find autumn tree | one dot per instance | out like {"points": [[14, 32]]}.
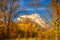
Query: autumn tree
{"points": [[8, 11], [56, 17]]}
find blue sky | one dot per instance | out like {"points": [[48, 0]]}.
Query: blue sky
{"points": [[41, 10]]}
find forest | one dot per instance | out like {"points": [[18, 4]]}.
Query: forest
{"points": [[27, 29]]}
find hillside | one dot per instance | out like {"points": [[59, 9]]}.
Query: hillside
{"points": [[35, 18]]}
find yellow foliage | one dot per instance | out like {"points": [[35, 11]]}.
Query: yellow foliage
{"points": [[24, 26]]}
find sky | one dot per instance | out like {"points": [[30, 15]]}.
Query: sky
{"points": [[42, 10]]}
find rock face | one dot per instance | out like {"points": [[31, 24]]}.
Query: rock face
{"points": [[36, 18]]}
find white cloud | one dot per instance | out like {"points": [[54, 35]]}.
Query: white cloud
{"points": [[41, 8], [30, 9]]}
